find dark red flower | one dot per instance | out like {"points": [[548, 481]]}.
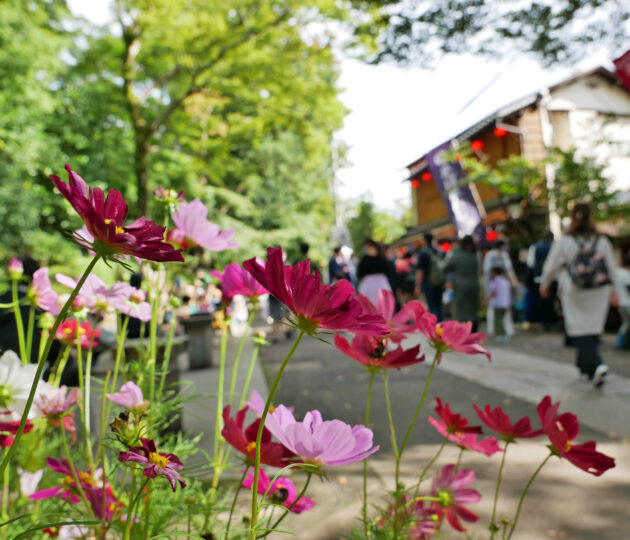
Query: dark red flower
{"points": [[454, 423], [315, 305], [500, 422], [271, 453], [562, 430], [9, 429], [372, 352], [104, 217], [156, 462]]}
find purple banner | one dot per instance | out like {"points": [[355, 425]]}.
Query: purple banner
{"points": [[458, 197]]}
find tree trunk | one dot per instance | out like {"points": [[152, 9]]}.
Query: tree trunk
{"points": [[141, 169]]}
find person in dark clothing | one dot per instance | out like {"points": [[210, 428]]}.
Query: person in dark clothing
{"points": [[336, 268], [134, 325], [430, 277], [373, 270], [539, 309]]}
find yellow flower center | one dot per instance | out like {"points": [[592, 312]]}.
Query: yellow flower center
{"points": [[439, 330], [68, 481], [271, 409], [568, 448], [251, 447], [157, 459], [85, 478], [107, 221], [119, 230]]}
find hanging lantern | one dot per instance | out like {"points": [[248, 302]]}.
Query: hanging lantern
{"points": [[446, 247], [476, 145], [426, 176], [491, 235], [415, 183], [500, 132]]}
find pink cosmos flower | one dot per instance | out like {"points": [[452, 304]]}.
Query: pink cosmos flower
{"points": [[15, 269], [372, 352], [469, 441], [454, 423], [136, 305], [562, 430], [423, 518], [281, 491], [193, 229], [130, 397], [104, 217], [57, 402], [244, 440], [330, 442], [98, 297], [235, 280], [42, 294], [67, 489], [156, 463], [449, 335], [71, 332], [451, 488], [315, 305], [400, 323], [500, 422]]}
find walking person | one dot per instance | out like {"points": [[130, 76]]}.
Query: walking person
{"points": [[373, 270], [498, 257], [585, 265], [539, 309], [463, 264], [500, 298], [430, 279]]}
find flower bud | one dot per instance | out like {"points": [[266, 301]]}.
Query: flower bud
{"points": [[129, 427], [138, 296], [46, 321], [15, 269], [79, 303]]}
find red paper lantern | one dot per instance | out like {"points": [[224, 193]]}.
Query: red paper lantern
{"points": [[426, 176], [500, 132], [446, 247], [491, 236], [476, 145], [415, 183]]}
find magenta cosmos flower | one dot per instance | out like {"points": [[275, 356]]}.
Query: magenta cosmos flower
{"points": [[192, 229], [315, 305], [42, 294], [449, 335], [244, 440], [280, 491], [235, 280], [562, 430], [104, 217], [330, 442], [372, 352], [130, 397], [400, 323], [451, 489], [9, 429], [500, 422], [156, 462], [67, 489]]}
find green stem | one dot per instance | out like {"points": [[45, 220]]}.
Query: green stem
{"points": [[236, 492], [286, 512], [397, 455], [29, 333], [219, 413], [18, 321], [102, 445], [167, 355], [237, 358], [120, 352], [274, 387], [132, 504], [459, 458], [493, 527], [61, 365], [5, 499], [153, 323], [368, 404], [88, 387], [250, 373], [430, 464], [42, 363], [73, 471], [524, 494]]}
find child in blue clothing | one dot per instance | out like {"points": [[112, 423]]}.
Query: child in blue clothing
{"points": [[500, 298]]}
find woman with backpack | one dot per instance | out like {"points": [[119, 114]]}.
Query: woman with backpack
{"points": [[585, 265]]}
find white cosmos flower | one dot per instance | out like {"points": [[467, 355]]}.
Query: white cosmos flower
{"points": [[29, 480], [15, 384]]}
